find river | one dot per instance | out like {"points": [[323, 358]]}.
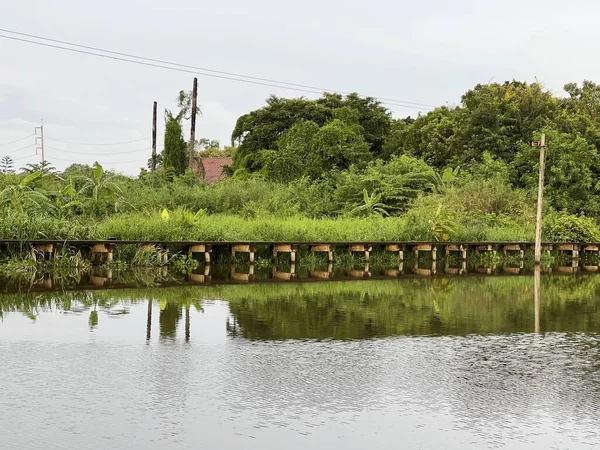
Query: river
{"points": [[431, 363]]}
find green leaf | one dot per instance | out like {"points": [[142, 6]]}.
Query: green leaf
{"points": [[98, 172], [30, 178], [73, 203], [165, 214]]}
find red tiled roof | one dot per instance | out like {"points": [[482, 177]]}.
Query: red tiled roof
{"points": [[213, 168]]}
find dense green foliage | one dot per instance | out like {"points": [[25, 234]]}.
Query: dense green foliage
{"points": [[339, 168], [175, 153]]}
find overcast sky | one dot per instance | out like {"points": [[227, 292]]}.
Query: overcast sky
{"points": [[428, 52]]}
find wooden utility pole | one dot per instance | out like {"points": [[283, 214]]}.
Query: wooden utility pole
{"points": [[193, 130], [538, 221], [154, 137]]}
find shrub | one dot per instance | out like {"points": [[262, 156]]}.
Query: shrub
{"points": [[570, 228]]}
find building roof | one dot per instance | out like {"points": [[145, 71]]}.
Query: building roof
{"points": [[213, 168]]}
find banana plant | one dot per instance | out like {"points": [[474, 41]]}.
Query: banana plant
{"points": [[371, 206], [64, 201], [441, 183], [22, 197], [441, 225], [99, 184]]}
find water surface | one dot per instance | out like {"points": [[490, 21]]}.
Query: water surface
{"points": [[410, 363]]}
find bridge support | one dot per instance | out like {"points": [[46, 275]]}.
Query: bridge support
{"points": [[365, 273], [361, 248], [514, 248], [324, 248], [322, 275], [201, 248], [285, 248], [457, 248], [102, 252], [397, 248], [242, 277], [46, 251], [285, 276], [425, 248], [244, 248], [455, 270], [200, 278]]}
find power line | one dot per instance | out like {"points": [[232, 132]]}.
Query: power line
{"points": [[103, 162], [220, 72], [16, 140], [23, 157], [183, 68], [96, 144], [99, 154], [12, 152], [150, 64]]}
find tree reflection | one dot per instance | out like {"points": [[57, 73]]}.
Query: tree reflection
{"points": [[168, 320], [353, 310]]}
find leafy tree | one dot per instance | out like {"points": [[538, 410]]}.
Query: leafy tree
{"points": [[501, 116], [307, 150], [338, 145], [204, 144], [45, 168], [261, 129], [175, 153], [580, 111], [295, 157], [571, 183], [430, 137], [399, 181], [184, 103], [7, 165], [373, 118], [493, 118], [159, 162], [22, 197]]}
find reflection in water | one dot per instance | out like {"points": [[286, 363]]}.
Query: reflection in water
{"points": [[101, 278], [459, 306], [537, 282], [168, 319], [149, 321], [429, 362]]}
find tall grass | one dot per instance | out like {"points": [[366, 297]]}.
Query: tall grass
{"points": [[234, 228]]}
